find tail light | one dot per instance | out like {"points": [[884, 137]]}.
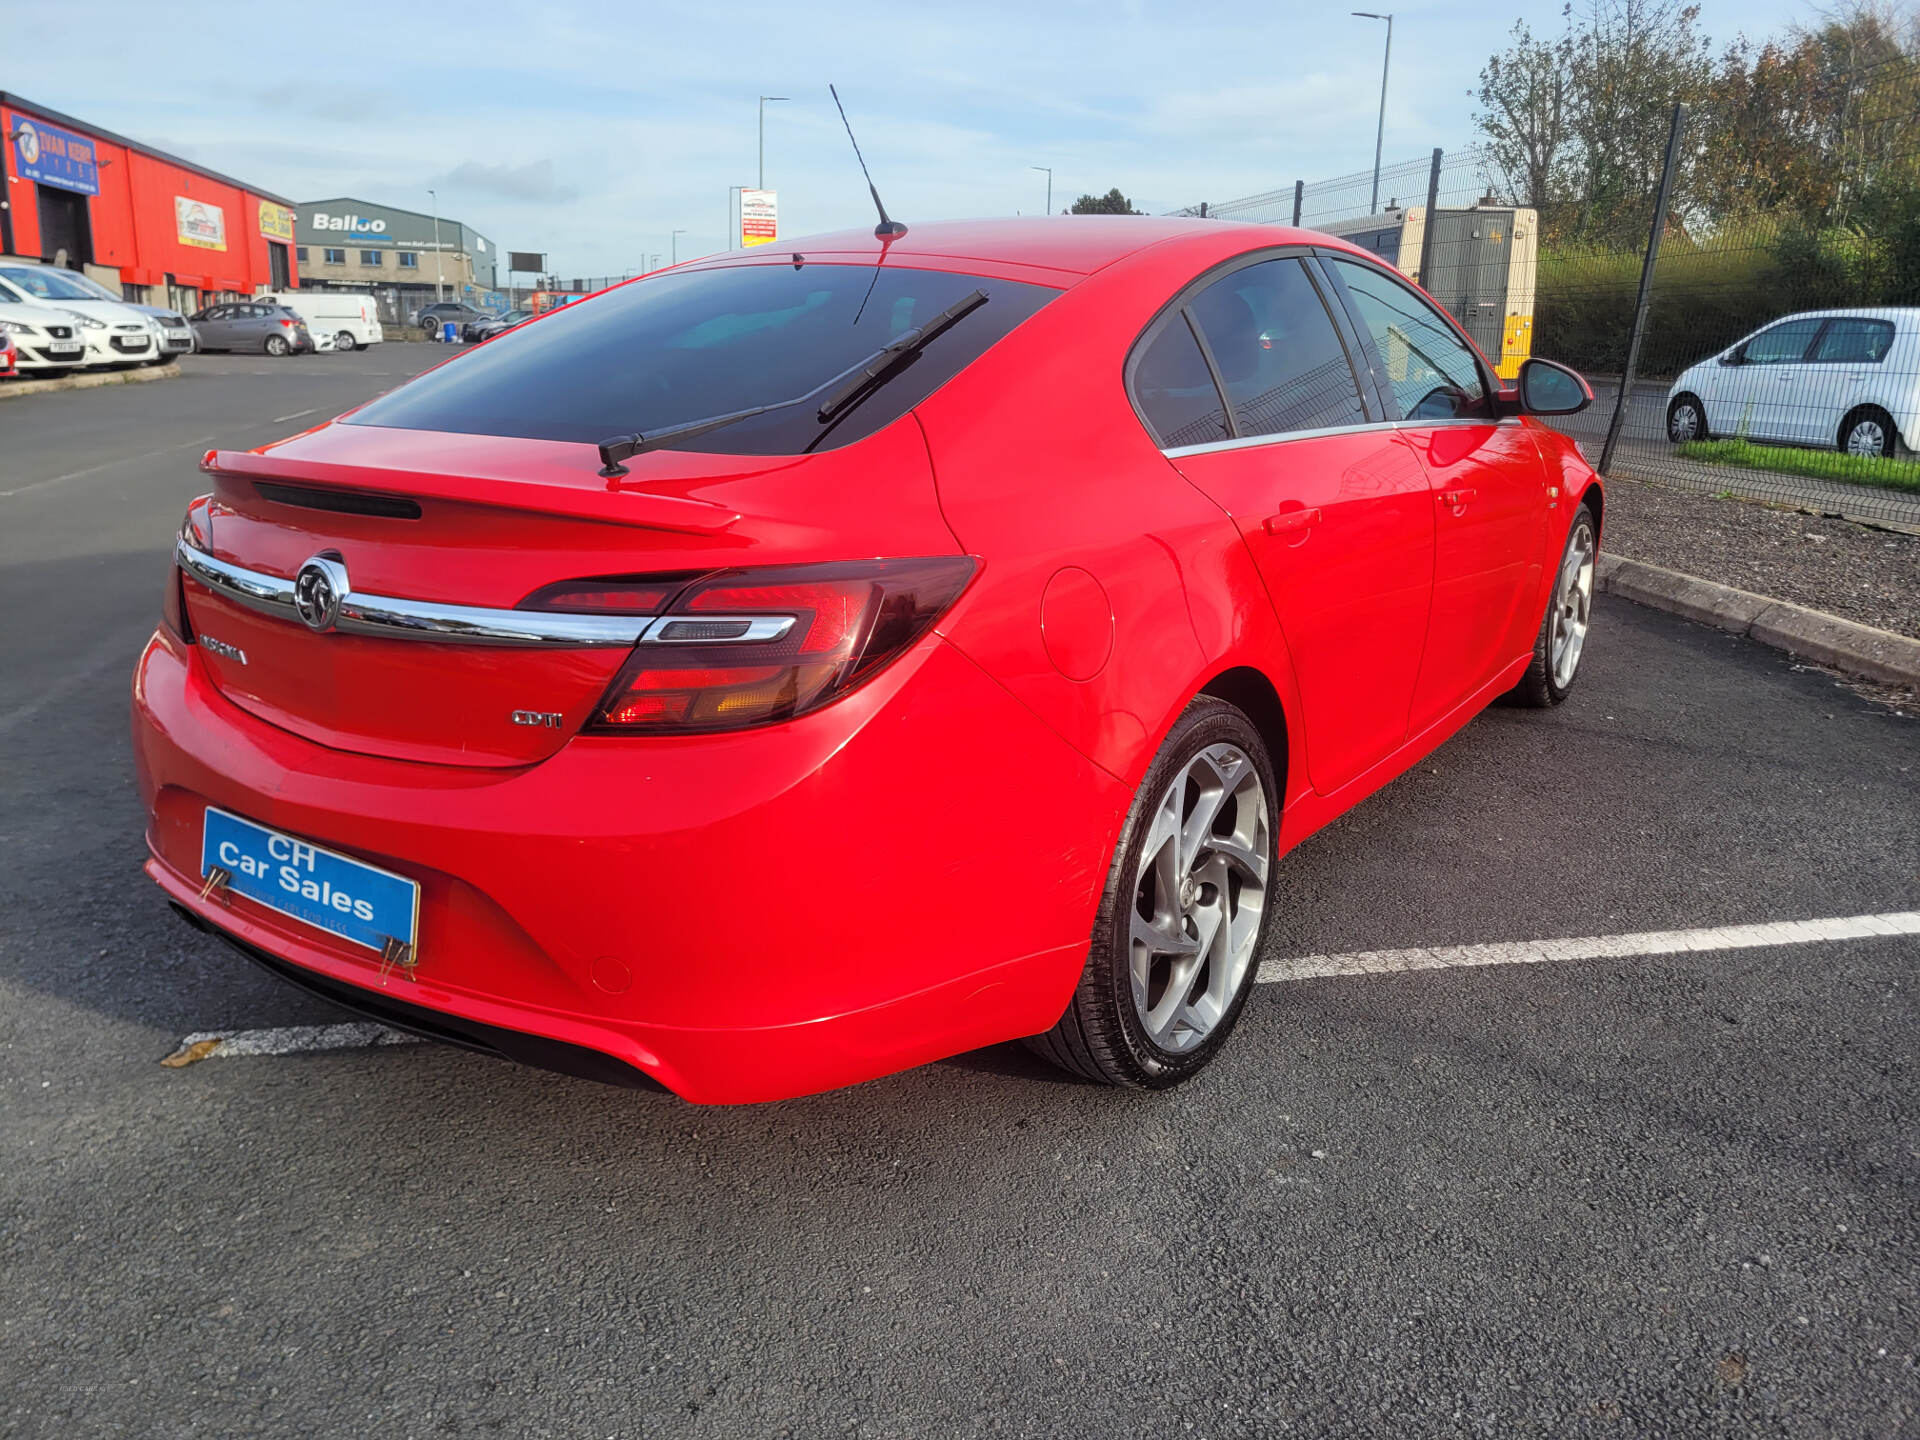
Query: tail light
{"points": [[739, 648], [173, 602], [286, 324]]}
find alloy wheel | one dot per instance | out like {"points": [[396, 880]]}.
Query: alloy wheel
{"points": [[1200, 885], [276, 345], [344, 341], [1572, 604], [1684, 424]]}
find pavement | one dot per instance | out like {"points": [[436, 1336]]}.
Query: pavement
{"points": [[1597, 1188], [27, 383]]}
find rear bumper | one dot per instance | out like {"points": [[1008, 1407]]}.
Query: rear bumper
{"points": [[903, 875]]}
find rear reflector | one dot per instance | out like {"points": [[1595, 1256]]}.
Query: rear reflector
{"points": [[615, 595], [751, 647]]}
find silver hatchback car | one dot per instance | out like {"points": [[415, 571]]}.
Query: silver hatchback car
{"points": [[249, 325]]}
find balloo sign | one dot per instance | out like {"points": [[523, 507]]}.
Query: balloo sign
{"points": [[758, 218], [351, 224]]}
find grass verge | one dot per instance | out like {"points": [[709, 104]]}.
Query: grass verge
{"points": [[1822, 464]]}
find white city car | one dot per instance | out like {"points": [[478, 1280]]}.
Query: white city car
{"points": [[113, 332], [1839, 379]]}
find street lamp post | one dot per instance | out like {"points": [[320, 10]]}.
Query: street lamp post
{"points": [[763, 134], [1049, 172], [733, 230], [674, 243], [1380, 131], [437, 295]]}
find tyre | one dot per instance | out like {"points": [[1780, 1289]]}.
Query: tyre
{"points": [[1176, 940], [1687, 420], [1563, 629], [344, 341], [1869, 431], [277, 345]]}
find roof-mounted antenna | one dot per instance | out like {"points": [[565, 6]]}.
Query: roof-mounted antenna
{"points": [[888, 228]]}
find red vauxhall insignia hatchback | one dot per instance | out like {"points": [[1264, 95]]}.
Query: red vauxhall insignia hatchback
{"points": [[804, 664]]}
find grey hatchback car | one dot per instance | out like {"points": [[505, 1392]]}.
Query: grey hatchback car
{"points": [[249, 325]]}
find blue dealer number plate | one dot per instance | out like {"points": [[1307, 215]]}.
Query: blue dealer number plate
{"points": [[344, 897]]}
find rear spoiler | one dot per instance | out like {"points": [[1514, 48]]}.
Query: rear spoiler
{"points": [[559, 492]]}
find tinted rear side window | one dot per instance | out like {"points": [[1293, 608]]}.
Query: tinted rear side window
{"points": [[1855, 342], [678, 348], [1175, 390], [1279, 355]]}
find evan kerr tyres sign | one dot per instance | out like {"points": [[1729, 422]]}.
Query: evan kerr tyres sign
{"points": [[199, 224], [55, 157]]}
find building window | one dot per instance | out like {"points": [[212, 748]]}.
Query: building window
{"points": [[409, 260], [372, 257], [334, 257], [300, 253]]}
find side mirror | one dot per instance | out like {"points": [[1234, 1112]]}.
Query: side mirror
{"points": [[1549, 388], [1735, 356]]}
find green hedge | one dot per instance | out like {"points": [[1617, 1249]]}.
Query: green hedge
{"points": [[1708, 294]]}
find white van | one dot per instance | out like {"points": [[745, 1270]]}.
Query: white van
{"points": [[338, 319]]}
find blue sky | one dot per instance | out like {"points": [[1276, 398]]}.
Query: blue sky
{"points": [[623, 123]]}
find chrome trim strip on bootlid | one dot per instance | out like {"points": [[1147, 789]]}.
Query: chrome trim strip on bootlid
{"points": [[396, 619]]}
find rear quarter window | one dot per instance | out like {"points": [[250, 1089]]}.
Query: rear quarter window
{"points": [[675, 348]]}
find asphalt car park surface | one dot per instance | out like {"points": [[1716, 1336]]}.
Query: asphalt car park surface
{"points": [[1649, 1194]]}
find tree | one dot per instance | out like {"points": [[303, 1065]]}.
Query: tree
{"points": [[1579, 124], [1632, 61], [1111, 203], [1523, 114]]}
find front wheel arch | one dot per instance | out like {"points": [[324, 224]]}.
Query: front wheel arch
{"points": [[1687, 397]]}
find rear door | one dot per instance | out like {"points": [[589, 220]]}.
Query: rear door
{"points": [[1844, 369], [1488, 487], [1329, 499]]}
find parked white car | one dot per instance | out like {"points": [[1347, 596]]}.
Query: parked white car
{"points": [[113, 332], [47, 339], [1838, 379], [337, 319]]}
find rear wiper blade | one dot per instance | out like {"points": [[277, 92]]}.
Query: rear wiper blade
{"points": [[848, 388], [870, 374], [625, 447]]}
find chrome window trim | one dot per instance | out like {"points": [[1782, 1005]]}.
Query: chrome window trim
{"points": [[396, 619], [1281, 437]]}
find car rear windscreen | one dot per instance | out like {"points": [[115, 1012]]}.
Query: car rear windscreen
{"points": [[681, 347]]}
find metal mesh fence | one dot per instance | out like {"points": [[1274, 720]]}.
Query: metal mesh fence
{"points": [[1779, 346]]}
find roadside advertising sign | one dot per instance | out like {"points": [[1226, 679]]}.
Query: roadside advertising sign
{"points": [[199, 224], [758, 217], [276, 221]]}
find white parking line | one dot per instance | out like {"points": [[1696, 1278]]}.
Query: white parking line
{"points": [[1596, 947], [301, 1039], [295, 415]]}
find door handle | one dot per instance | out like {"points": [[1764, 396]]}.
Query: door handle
{"points": [[1291, 521], [1457, 499]]}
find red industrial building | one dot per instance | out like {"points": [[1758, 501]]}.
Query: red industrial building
{"points": [[163, 230]]}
